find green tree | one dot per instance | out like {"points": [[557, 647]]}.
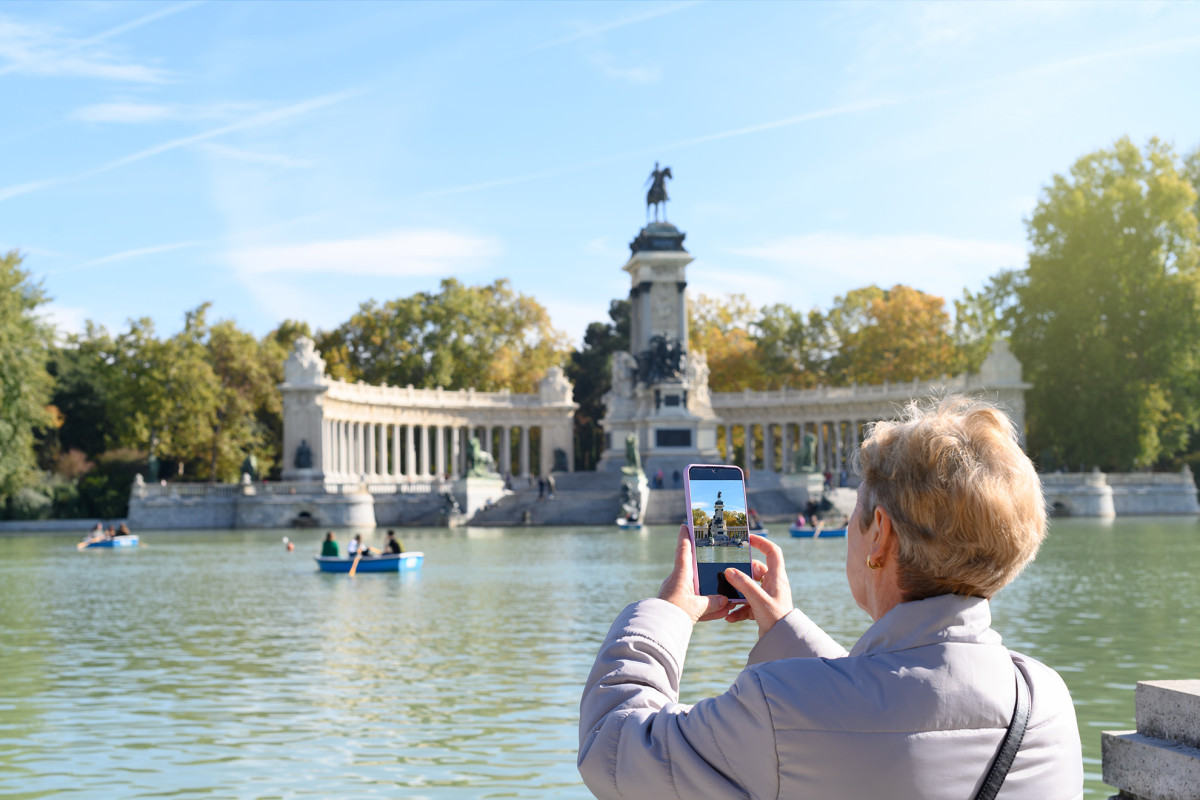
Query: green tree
{"points": [[1107, 319], [720, 327], [25, 384], [247, 400], [787, 347], [489, 337], [590, 370], [897, 334]]}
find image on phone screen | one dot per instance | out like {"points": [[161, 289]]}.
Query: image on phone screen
{"points": [[717, 496]]}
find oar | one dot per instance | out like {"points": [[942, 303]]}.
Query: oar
{"points": [[817, 529], [357, 556]]}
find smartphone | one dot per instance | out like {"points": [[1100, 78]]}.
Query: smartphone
{"points": [[716, 518]]}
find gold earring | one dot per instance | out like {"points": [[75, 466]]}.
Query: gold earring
{"points": [[871, 564]]}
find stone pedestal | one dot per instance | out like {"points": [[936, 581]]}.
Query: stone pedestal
{"points": [[1161, 759], [474, 493], [798, 487]]}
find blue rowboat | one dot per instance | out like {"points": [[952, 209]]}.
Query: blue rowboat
{"points": [[763, 532], [635, 524], [809, 532], [386, 563], [116, 541]]}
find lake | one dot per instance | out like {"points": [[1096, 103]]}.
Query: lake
{"points": [[216, 664]]}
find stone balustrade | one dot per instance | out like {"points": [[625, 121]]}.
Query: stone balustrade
{"points": [[1160, 760]]}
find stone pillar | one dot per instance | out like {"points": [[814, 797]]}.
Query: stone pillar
{"points": [[1161, 759], [768, 447], [410, 458], [369, 448], [839, 443], [821, 446], [381, 449], [748, 452], [504, 462], [423, 451], [395, 465], [456, 468], [785, 451], [728, 443], [440, 451], [524, 456]]}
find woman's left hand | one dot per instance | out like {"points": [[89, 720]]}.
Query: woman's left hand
{"points": [[680, 586]]}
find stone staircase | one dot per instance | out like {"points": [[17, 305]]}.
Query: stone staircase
{"points": [[580, 498]]}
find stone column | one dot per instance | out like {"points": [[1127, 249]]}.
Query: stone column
{"points": [[455, 451], [504, 462], [440, 452], [748, 452], [839, 439], [423, 451], [786, 448], [395, 465], [369, 436], [821, 446], [410, 458], [729, 443], [768, 447], [381, 449], [524, 446]]}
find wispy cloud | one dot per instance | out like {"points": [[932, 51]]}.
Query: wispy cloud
{"points": [[936, 264], [136, 113], [126, 255], [35, 50], [251, 157], [589, 31], [393, 254], [608, 67], [255, 121]]}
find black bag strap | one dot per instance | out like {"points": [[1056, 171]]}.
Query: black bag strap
{"points": [[1012, 741]]}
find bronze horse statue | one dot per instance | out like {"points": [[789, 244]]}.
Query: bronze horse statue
{"points": [[658, 191]]}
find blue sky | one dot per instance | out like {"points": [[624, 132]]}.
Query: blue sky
{"points": [[296, 159]]}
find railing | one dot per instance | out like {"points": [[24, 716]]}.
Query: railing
{"points": [[1182, 478], [280, 488]]}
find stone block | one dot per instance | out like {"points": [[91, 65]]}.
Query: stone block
{"points": [[1146, 767], [1169, 710]]}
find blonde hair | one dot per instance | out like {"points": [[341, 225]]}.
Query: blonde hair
{"points": [[965, 501]]}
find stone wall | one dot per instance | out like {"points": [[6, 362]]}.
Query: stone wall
{"points": [[1099, 494]]}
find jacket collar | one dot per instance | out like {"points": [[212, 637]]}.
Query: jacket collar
{"points": [[934, 620]]}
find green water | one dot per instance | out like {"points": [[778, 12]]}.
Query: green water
{"points": [[219, 665]]}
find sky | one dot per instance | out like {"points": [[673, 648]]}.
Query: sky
{"points": [[290, 160]]}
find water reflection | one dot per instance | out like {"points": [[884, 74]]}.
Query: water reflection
{"points": [[216, 663]]}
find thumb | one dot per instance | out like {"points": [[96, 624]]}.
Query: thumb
{"points": [[750, 588]]}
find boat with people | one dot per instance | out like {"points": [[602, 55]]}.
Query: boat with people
{"points": [[818, 531], [389, 562], [126, 540], [634, 523]]}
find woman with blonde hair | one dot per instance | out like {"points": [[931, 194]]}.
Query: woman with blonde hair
{"points": [[927, 704]]}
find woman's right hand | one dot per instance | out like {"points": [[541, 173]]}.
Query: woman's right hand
{"points": [[768, 595]]}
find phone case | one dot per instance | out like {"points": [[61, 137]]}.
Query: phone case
{"points": [[687, 504]]}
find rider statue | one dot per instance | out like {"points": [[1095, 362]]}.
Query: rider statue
{"points": [[657, 196]]}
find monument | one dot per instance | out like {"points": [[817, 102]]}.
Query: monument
{"points": [[659, 390]]}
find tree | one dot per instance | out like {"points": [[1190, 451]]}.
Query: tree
{"points": [[487, 337], [247, 400], [24, 382], [590, 370], [720, 328], [897, 334], [787, 346], [1107, 323]]}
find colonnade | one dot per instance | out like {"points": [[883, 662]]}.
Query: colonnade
{"points": [[834, 441], [412, 451]]}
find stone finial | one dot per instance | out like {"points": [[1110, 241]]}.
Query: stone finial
{"points": [[555, 388], [304, 367]]}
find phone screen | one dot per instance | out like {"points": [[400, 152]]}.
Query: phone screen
{"points": [[716, 497]]}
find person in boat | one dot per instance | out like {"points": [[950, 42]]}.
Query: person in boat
{"points": [[356, 546], [800, 521], [329, 548], [393, 544], [122, 530], [949, 511]]}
